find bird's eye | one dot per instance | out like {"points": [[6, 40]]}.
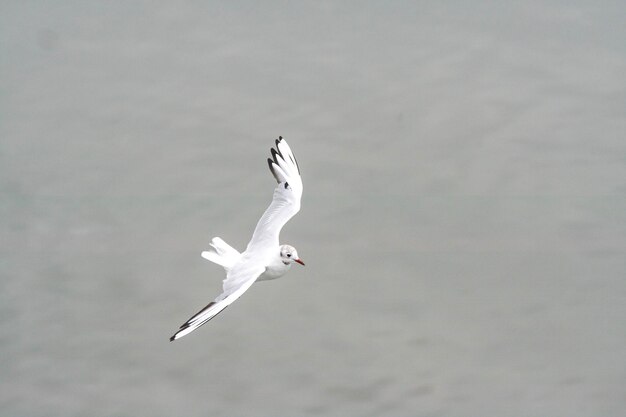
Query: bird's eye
{"points": [[288, 255]]}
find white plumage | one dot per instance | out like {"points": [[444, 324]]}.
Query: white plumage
{"points": [[263, 258]]}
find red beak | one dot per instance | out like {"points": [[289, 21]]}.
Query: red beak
{"points": [[299, 261]]}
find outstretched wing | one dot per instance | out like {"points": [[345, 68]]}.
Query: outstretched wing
{"points": [[237, 281], [286, 201]]}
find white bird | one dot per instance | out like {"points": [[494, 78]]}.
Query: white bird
{"points": [[264, 258]]}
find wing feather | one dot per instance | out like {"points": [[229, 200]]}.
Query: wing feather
{"points": [[286, 201], [237, 282]]}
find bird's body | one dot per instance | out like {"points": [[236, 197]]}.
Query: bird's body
{"points": [[264, 258]]}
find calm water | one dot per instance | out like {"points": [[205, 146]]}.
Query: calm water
{"points": [[463, 220]]}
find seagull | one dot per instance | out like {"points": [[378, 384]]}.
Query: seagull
{"points": [[264, 258]]}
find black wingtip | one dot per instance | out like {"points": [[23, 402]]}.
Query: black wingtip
{"points": [[275, 152], [271, 165], [172, 338]]}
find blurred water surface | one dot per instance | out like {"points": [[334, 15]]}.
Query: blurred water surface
{"points": [[463, 219]]}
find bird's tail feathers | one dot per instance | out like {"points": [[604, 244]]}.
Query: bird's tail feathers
{"points": [[221, 253]]}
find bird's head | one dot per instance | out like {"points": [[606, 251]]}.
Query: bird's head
{"points": [[289, 254]]}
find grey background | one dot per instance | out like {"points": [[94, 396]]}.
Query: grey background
{"points": [[463, 217]]}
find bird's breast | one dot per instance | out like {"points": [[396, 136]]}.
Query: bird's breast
{"points": [[274, 270]]}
